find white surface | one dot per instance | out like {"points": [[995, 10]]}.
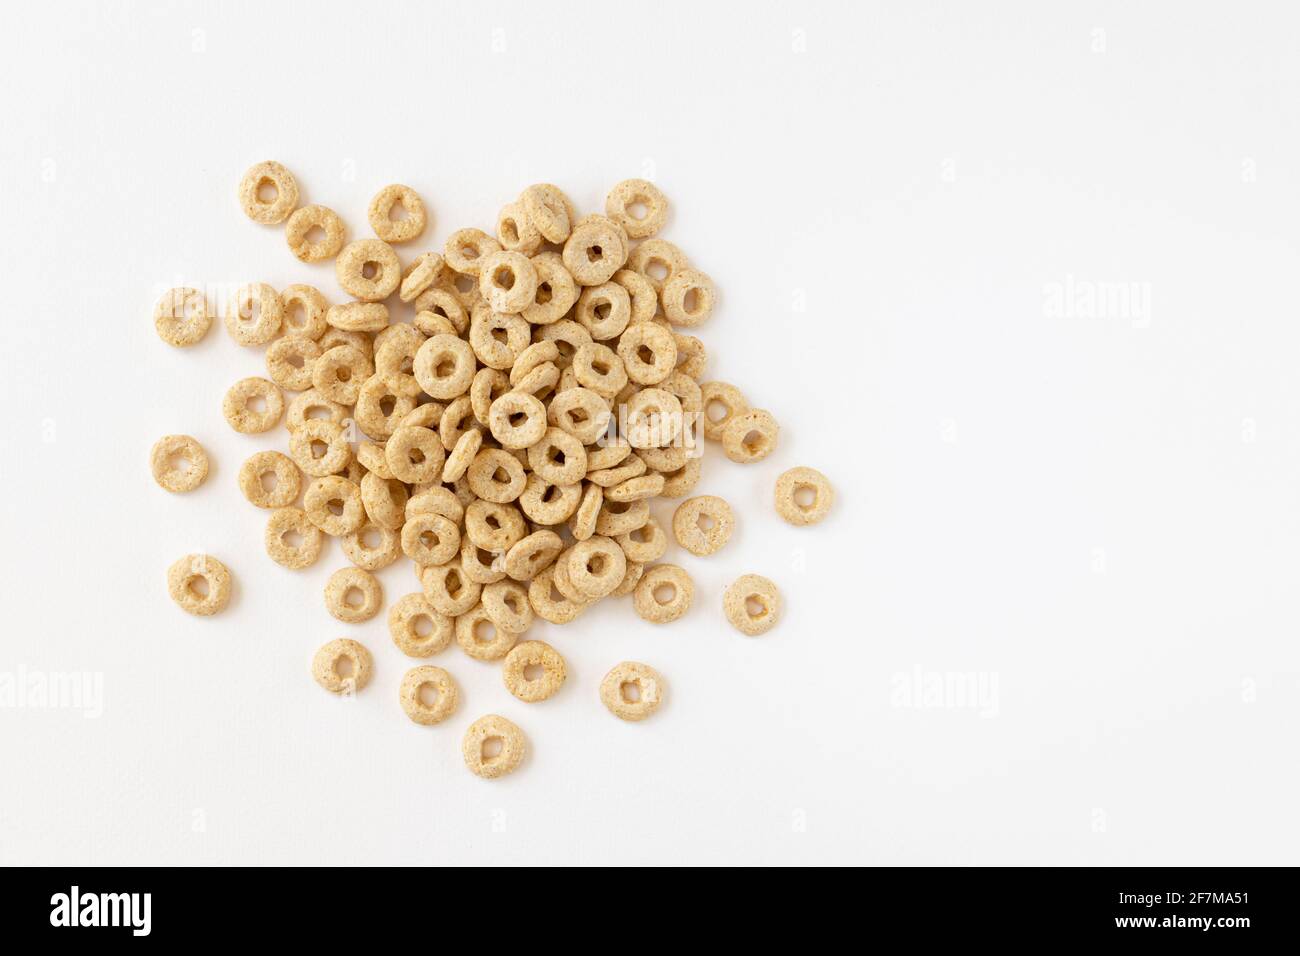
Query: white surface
{"points": [[1096, 515]]}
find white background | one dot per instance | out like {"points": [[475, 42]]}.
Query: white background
{"points": [[1093, 511]]}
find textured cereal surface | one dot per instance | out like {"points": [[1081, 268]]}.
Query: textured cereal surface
{"points": [[501, 732], [617, 694], [178, 463], [752, 604]]}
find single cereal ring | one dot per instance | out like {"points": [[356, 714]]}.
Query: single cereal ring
{"points": [[320, 447], [436, 500], [692, 358], [803, 495], [372, 547], [415, 454], [582, 413], [430, 540], [420, 276], [680, 483], [394, 392], [488, 385], [467, 248], [609, 455], [496, 475], [333, 503], [254, 314], [385, 499], [556, 291], [643, 297], [492, 747], [652, 419], [596, 566], [632, 467], [545, 503], [631, 690], [311, 405], [303, 311], [520, 665], [340, 589], [551, 604], [752, 604], [480, 638], [358, 316], [663, 594], [537, 355], [440, 313], [568, 337], [530, 555], [425, 416], [368, 269], [494, 527], [656, 260], [289, 361], [381, 210], [625, 243], [199, 584], [604, 310], [339, 373], [587, 515], [750, 436], [417, 628], [264, 176], [298, 233], [630, 579], [507, 281], [515, 231], [462, 286], [549, 210], [445, 366], [599, 368], [623, 201], [664, 460], [181, 317], [558, 457], [649, 353], [342, 666], [506, 603], [722, 403], [518, 420], [395, 349], [178, 462], [703, 525], [645, 544], [449, 591], [428, 695], [688, 297], [593, 252], [462, 455], [360, 341], [493, 351], [635, 489], [270, 479], [238, 408], [291, 539], [480, 565]]}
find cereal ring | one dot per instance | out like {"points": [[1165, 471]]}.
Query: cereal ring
{"points": [[460, 285], [635, 489], [593, 252], [610, 455], [752, 604], [311, 405], [417, 628], [537, 355], [533, 671], [353, 595], [291, 539], [549, 210], [424, 416], [632, 691], [494, 351], [518, 420], [444, 367], [580, 412], [308, 222], [682, 481], [320, 447], [254, 314], [750, 436], [358, 316], [632, 467], [420, 276], [551, 604], [436, 500], [494, 527], [803, 495], [415, 454], [181, 317], [368, 269], [480, 565], [652, 419], [656, 260], [692, 359], [467, 248], [270, 479], [630, 579], [342, 666], [556, 291], [358, 340], [546, 503], [507, 281], [596, 566], [430, 540], [506, 603], [649, 353], [604, 310], [703, 525], [688, 297], [449, 591], [392, 198], [428, 694], [303, 311], [395, 349], [515, 231], [385, 499], [599, 368], [372, 547], [722, 403], [664, 460], [339, 373], [440, 313], [265, 176], [643, 298], [644, 544], [568, 337], [532, 554], [383, 403], [178, 462], [289, 361], [496, 475], [239, 406], [558, 457], [462, 454], [480, 638], [492, 747], [663, 594], [333, 504], [633, 196], [199, 584], [587, 514], [488, 385]]}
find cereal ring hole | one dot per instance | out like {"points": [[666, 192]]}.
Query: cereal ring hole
{"points": [[353, 596], [544, 295], [255, 404], [665, 593], [397, 212], [754, 442], [370, 269], [595, 253], [534, 672], [485, 632], [630, 691], [370, 539], [422, 626], [343, 667], [267, 191], [805, 496], [705, 521], [503, 278], [464, 283], [427, 694], [197, 585], [491, 749], [755, 607], [658, 269], [292, 538]]}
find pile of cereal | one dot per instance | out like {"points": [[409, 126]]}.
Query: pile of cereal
{"points": [[508, 440]]}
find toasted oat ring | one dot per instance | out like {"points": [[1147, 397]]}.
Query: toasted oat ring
{"points": [[420, 680], [297, 555], [395, 349], [532, 554], [517, 420], [381, 218], [527, 656], [325, 436], [496, 475], [436, 500], [393, 390], [587, 515], [549, 602], [703, 525], [184, 575], [368, 269], [596, 566], [298, 230], [287, 480], [507, 281], [430, 540], [303, 311], [268, 211], [599, 368], [609, 477], [645, 544], [420, 276], [692, 358], [649, 353], [462, 454], [491, 351], [488, 385], [752, 604], [426, 416], [723, 397], [536, 355], [333, 503], [354, 675], [339, 588], [545, 503], [444, 367], [682, 481], [610, 455], [254, 314], [617, 694], [593, 252], [467, 248], [494, 527], [620, 517], [450, 592], [178, 462], [506, 603], [360, 341], [492, 747], [635, 489], [792, 484], [643, 297], [289, 361], [440, 313], [549, 210], [417, 628], [652, 418], [688, 297], [630, 578], [515, 230], [673, 584], [242, 418], [568, 337], [604, 310], [582, 413], [558, 457], [384, 498], [358, 316], [556, 292], [480, 566], [664, 460], [371, 557], [750, 436], [415, 454], [656, 260], [476, 622], [637, 192], [339, 372], [181, 317]]}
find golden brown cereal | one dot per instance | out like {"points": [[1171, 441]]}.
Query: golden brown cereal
{"points": [[241, 401], [462, 455], [610, 455], [752, 604], [644, 544], [796, 484], [515, 231], [436, 500], [342, 666], [635, 489], [415, 454], [381, 210], [440, 313], [270, 480], [549, 210], [353, 595], [703, 525], [688, 297], [630, 467], [449, 590], [496, 475], [179, 463], [643, 297], [480, 565], [532, 554], [582, 413], [630, 579], [518, 420], [385, 499], [656, 260], [692, 358], [358, 340], [333, 504], [289, 361], [299, 233], [594, 251], [494, 527], [254, 314], [663, 594], [549, 602], [358, 316], [303, 311], [372, 546], [585, 517], [291, 539], [750, 436], [536, 355], [664, 460], [393, 391], [679, 483], [506, 603], [181, 317], [491, 349], [633, 196], [420, 276], [395, 349], [492, 747], [430, 540], [266, 177], [480, 638], [488, 385], [368, 269], [445, 366], [596, 566], [557, 457], [417, 628], [604, 310], [422, 683], [425, 416], [632, 691], [456, 420], [507, 281], [599, 368], [533, 671], [339, 373], [545, 503], [722, 403], [620, 517], [467, 248], [320, 447], [311, 405], [568, 337], [652, 418], [462, 286], [199, 584], [556, 291], [648, 352]]}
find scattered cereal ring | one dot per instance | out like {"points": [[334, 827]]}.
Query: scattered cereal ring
{"points": [[240, 401], [358, 316], [596, 566], [265, 176], [342, 666], [333, 504], [299, 232], [181, 317], [415, 454], [448, 589], [631, 196], [292, 541], [663, 594], [752, 604], [492, 349], [557, 456], [422, 683], [580, 412], [480, 638], [353, 595], [604, 310], [688, 297], [515, 230], [549, 603], [381, 211], [462, 454], [631, 690], [270, 479], [496, 475], [372, 547], [303, 311], [630, 578], [340, 371], [178, 462], [467, 248], [199, 584], [599, 368], [556, 291], [254, 314], [791, 488], [444, 366], [506, 603], [289, 361], [533, 671], [420, 276], [507, 281], [320, 447], [644, 544], [495, 527], [750, 436], [549, 210], [648, 352], [368, 269], [393, 391], [548, 504], [530, 555], [722, 403], [593, 252], [430, 540], [703, 525], [518, 420], [620, 517], [656, 260], [417, 628], [640, 488], [492, 747], [692, 358]]}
